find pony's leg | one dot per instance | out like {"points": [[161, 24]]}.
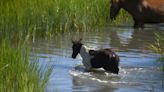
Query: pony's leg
{"points": [[107, 69], [111, 69]]}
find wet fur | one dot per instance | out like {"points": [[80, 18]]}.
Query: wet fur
{"points": [[105, 58]]}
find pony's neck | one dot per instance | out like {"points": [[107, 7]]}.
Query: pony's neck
{"points": [[84, 51], [131, 7]]}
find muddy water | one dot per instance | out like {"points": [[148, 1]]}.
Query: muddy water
{"points": [[139, 71]]}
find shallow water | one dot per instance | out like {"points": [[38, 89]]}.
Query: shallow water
{"points": [[139, 71]]}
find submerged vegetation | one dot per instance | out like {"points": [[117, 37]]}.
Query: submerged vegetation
{"points": [[158, 46], [17, 74]]}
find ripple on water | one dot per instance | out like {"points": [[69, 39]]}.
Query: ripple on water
{"points": [[139, 70], [138, 78]]}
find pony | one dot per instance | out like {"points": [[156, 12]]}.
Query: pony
{"points": [[102, 58], [142, 11]]}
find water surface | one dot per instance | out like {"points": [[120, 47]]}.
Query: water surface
{"points": [[139, 71]]}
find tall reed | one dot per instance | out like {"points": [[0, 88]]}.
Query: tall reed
{"points": [[25, 18], [17, 73], [158, 46]]}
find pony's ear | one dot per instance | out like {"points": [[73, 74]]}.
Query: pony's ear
{"points": [[80, 39], [116, 1], [72, 41]]}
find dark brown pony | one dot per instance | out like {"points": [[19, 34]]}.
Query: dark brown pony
{"points": [[142, 11]]}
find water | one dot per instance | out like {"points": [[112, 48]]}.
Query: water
{"points": [[139, 71]]}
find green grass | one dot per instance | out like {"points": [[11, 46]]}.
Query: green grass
{"points": [[30, 18], [158, 46], [17, 73]]}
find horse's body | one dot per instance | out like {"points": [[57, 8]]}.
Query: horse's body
{"points": [[103, 58], [142, 11]]}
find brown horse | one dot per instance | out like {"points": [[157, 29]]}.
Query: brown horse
{"points": [[142, 11]]}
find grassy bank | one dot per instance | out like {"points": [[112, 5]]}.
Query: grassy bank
{"points": [[17, 73], [24, 18]]}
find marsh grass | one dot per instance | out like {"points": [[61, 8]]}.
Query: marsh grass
{"points": [[158, 46], [159, 43], [17, 73], [24, 18]]}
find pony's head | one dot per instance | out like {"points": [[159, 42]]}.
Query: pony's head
{"points": [[115, 7], [76, 47]]}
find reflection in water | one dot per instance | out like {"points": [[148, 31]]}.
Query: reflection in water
{"points": [[139, 69]]}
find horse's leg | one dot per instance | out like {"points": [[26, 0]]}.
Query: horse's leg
{"points": [[138, 25]]}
